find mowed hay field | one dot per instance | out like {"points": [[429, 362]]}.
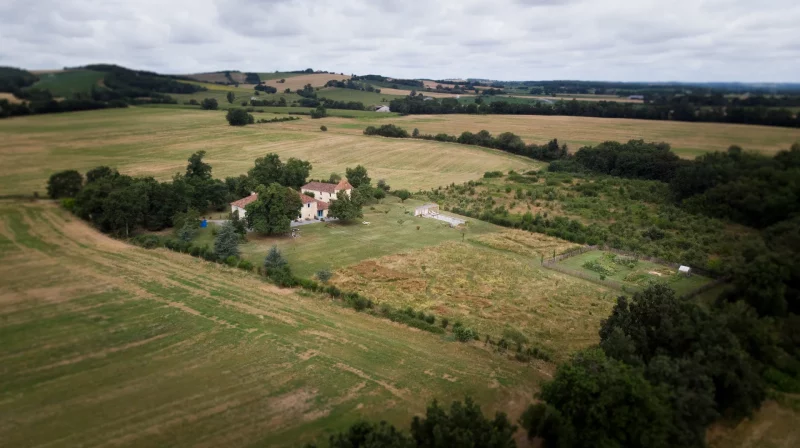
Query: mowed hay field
{"points": [[687, 139], [491, 283], [110, 344], [157, 141], [299, 81]]}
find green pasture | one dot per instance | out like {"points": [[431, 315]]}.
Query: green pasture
{"points": [[336, 245], [639, 275]]}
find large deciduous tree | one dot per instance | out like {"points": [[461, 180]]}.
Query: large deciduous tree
{"points": [[357, 176], [273, 211], [346, 208], [64, 184]]}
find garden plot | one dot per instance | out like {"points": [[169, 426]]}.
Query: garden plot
{"points": [[631, 273]]}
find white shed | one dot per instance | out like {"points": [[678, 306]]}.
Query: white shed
{"points": [[685, 270], [427, 209], [383, 109]]}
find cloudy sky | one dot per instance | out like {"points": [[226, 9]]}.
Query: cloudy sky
{"points": [[647, 40]]}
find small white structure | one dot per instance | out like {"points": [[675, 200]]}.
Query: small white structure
{"points": [[427, 209], [685, 270], [383, 109]]}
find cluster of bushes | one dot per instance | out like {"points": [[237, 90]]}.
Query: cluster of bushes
{"points": [[463, 426], [387, 130], [265, 88], [331, 104], [352, 84], [150, 241], [277, 119]]}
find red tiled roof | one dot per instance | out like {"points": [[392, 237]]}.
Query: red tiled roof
{"points": [[241, 203], [343, 185], [306, 199], [320, 186], [322, 205]]}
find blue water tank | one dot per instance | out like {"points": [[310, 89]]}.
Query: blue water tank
{"points": [[204, 223]]}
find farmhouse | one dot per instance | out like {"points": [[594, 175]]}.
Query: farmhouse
{"points": [[326, 192], [312, 208], [383, 109]]}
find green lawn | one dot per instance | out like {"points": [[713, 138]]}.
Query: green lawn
{"points": [[338, 245], [643, 273], [277, 75], [66, 84]]}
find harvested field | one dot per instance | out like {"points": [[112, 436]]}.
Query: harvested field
{"points": [[109, 344], [490, 290], [687, 139], [773, 426], [299, 81], [157, 142]]}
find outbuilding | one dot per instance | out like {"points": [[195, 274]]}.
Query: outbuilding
{"points": [[427, 209], [685, 270]]}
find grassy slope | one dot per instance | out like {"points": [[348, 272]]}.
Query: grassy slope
{"points": [[157, 142], [368, 98], [105, 343], [65, 84]]}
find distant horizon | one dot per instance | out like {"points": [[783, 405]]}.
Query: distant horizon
{"points": [[425, 78]]}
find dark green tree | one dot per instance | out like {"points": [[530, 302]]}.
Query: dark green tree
{"points": [[64, 184], [100, 172], [357, 176], [230, 96], [379, 194], [598, 401], [295, 172], [346, 208], [196, 168], [239, 117], [267, 170], [209, 104], [464, 426], [226, 243], [277, 268], [402, 194], [273, 211], [371, 435]]}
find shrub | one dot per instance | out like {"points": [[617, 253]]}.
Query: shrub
{"points": [[464, 334], [444, 322], [324, 275], [246, 265], [232, 261], [209, 104], [430, 318], [492, 174], [239, 117], [323, 128], [68, 204], [514, 335], [387, 130]]}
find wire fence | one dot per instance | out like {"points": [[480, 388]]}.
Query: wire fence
{"points": [[552, 263]]}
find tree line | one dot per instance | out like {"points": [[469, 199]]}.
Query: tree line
{"points": [[603, 109]]}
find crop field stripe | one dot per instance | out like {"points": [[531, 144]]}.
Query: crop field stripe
{"points": [[105, 343]]}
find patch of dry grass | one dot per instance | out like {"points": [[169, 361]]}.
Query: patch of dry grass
{"points": [[10, 97], [489, 290]]}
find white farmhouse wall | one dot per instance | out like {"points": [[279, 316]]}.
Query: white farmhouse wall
{"points": [[241, 211]]}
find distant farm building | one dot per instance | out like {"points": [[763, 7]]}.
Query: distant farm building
{"points": [[383, 109], [636, 97], [685, 270]]}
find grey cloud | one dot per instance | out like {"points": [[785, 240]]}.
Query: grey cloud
{"points": [[506, 39]]}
